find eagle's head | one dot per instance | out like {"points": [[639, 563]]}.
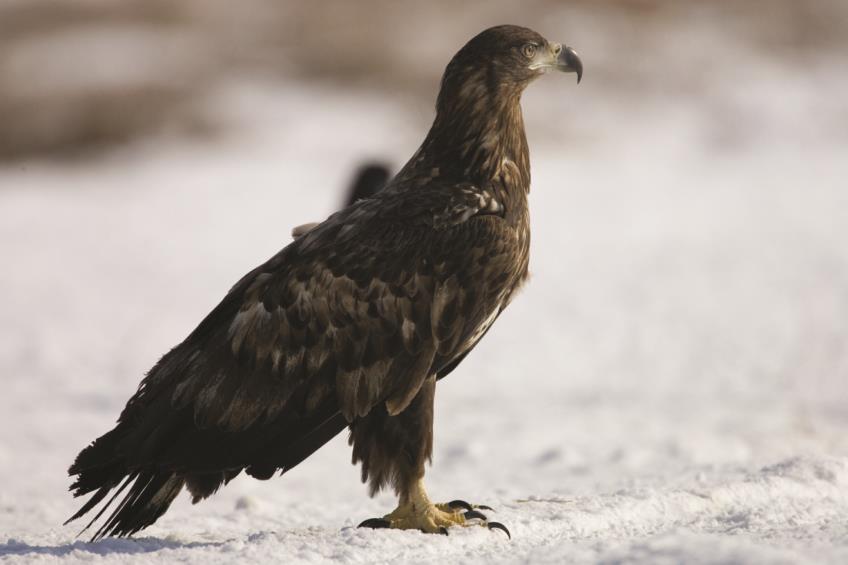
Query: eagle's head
{"points": [[478, 125], [507, 58]]}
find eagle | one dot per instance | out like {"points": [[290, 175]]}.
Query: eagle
{"points": [[351, 325]]}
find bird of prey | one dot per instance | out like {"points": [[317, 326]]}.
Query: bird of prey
{"points": [[349, 326]]}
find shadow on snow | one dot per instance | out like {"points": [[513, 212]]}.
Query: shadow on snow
{"points": [[107, 546]]}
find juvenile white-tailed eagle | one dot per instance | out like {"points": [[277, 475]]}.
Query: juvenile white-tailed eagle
{"points": [[350, 325]]}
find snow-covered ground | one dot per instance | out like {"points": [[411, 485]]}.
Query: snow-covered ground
{"points": [[670, 387]]}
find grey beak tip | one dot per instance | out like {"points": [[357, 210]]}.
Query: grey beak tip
{"points": [[575, 63]]}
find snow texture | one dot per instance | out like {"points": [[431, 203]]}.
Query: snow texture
{"points": [[670, 387]]}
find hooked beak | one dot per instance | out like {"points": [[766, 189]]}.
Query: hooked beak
{"points": [[561, 58], [568, 61]]}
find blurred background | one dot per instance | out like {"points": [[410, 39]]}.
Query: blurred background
{"points": [[83, 76], [687, 320]]}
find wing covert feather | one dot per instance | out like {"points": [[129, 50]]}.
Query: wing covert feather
{"points": [[358, 311]]}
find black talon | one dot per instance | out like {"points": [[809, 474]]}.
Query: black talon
{"points": [[472, 514], [460, 504], [375, 523], [499, 526], [443, 531], [484, 507]]}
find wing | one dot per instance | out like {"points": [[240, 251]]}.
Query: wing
{"points": [[356, 312]]}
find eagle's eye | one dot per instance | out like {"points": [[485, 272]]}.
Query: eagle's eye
{"points": [[529, 50]]}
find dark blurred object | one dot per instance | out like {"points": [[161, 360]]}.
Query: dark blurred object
{"points": [[369, 179]]}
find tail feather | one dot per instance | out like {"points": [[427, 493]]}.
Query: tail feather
{"points": [[105, 491], [99, 469], [137, 470], [149, 497], [95, 500], [98, 465]]}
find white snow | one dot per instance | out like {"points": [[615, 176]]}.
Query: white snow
{"points": [[670, 387]]}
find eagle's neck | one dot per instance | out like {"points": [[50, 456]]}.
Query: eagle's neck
{"points": [[477, 136]]}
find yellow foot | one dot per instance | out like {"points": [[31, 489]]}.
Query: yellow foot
{"points": [[416, 512]]}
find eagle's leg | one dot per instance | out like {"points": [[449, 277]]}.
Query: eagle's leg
{"points": [[415, 511], [393, 451]]}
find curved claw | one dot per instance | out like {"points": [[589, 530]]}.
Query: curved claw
{"points": [[473, 514], [375, 523], [443, 531], [461, 504], [456, 504], [499, 526]]}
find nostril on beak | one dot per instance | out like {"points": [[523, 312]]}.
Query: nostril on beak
{"points": [[556, 48]]}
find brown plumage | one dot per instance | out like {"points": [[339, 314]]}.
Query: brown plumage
{"points": [[352, 324]]}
